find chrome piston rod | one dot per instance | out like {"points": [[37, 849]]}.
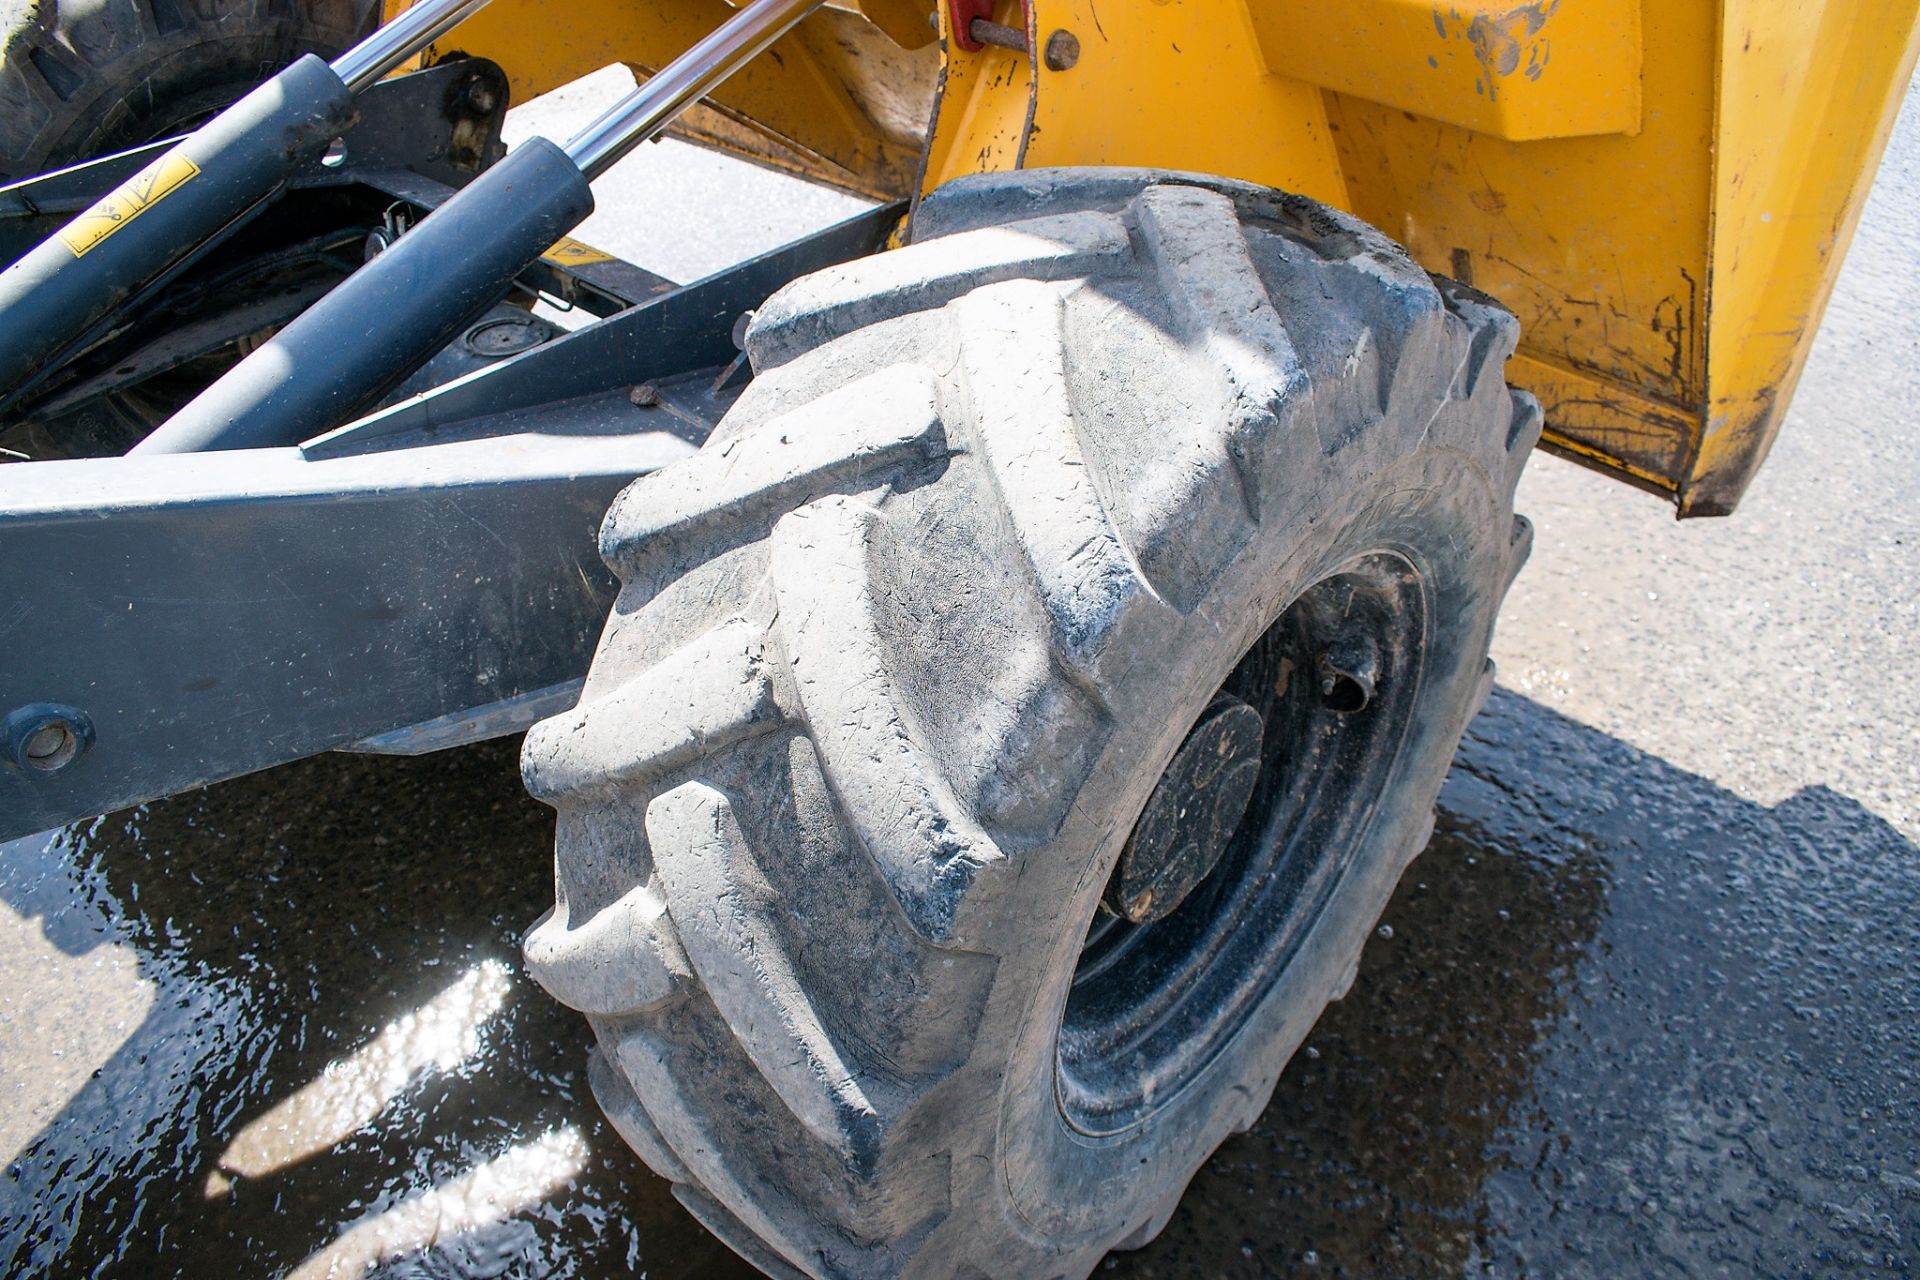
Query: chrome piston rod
{"points": [[643, 114], [387, 319], [415, 29]]}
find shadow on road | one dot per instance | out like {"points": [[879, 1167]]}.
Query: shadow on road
{"points": [[1617, 1021]]}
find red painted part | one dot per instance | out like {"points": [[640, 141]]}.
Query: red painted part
{"points": [[962, 13]]}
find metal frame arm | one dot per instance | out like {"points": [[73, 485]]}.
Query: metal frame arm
{"points": [[426, 576]]}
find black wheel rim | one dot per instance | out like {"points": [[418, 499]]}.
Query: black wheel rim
{"points": [[1152, 1005]]}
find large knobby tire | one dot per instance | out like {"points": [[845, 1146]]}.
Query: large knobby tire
{"points": [[902, 654], [83, 78]]}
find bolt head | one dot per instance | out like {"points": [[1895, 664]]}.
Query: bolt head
{"points": [[44, 737], [46, 743], [1062, 51]]}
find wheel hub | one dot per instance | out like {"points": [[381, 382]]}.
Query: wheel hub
{"points": [[1192, 814], [1251, 826]]}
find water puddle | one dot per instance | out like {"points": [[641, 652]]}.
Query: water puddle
{"points": [[339, 1063]]}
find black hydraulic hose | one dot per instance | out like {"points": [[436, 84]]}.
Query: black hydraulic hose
{"points": [[151, 221]]}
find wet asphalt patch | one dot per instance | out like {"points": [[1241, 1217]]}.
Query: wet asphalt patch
{"points": [[1617, 1020]]}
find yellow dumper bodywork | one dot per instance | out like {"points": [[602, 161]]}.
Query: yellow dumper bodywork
{"points": [[1662, 192]]}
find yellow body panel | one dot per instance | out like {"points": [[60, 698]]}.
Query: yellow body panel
{"points": [[1788, 186], [1599, 244], [1661, 193], [1660, 189], [1102, 111], [985, 105], [1547, 69]]}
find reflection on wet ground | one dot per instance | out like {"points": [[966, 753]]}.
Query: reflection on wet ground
{"points": [[343, 1062], [1618, 1022]]}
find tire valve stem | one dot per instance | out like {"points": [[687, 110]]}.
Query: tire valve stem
{"points": [[1348, 669]]}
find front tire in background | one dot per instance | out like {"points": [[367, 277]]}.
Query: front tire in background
{"points": [[79, 80], [1015, 719]]}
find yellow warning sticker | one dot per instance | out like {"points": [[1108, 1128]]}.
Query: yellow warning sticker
{"points": [[573, 253], [128, 201]]}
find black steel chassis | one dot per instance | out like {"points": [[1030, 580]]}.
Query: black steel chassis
{"points": [[422, 577]]}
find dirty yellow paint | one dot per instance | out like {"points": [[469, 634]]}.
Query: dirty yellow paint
{"points": [[1807, 94], [1156, 86], [1598, 243], [1660, 192], [905, 21], [983, 114], [1542, 69], [1603, 425], [128, 201]]}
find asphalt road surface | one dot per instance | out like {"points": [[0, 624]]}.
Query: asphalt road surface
{"points": [[1645, 1007]]}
